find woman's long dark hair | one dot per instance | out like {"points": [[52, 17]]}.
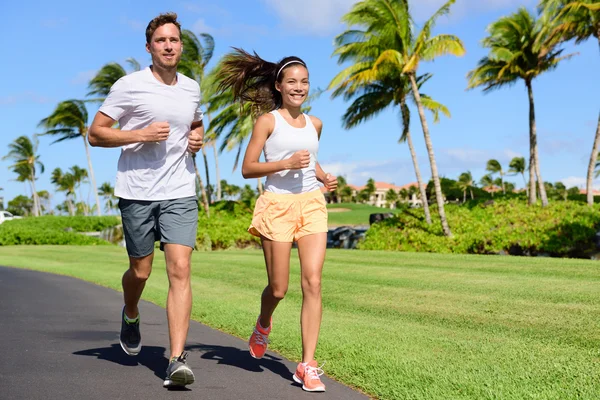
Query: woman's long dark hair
{"points": [[252, 79]]}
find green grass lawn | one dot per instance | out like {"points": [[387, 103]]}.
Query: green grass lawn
{"points": [[399, 325], [358, 214]]}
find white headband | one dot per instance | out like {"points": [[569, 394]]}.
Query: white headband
{"points": [[286, 64]]}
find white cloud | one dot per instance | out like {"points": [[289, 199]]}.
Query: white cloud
{"points": [[579, 181], [200, 26], [423, 9], [320, 17], [83, 77], [398, 172], [301, 17], [25, 97], [229, 29]]}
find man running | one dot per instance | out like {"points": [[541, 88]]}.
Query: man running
{"points": [[161, 125]]}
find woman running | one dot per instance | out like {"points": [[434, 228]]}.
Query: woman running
{"points": [[292, 207]]}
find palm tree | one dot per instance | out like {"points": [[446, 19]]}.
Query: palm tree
{"points": [[391, 197], [107, 192], [372, 97], [388, 31], [79, 176], [517, 166], [197, 53], [70, 121], [106, 77], [579, 20], [519, 49], [65, 182], [465, 182], [487, 181], [233, 123], [494, 167], [23, 154]]}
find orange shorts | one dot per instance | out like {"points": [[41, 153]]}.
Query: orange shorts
{"points": [[288, 217]]}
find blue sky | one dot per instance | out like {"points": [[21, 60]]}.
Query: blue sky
{"points": [[56, 47]]}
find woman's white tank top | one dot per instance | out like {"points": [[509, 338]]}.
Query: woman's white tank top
{"points": [[283, 142]]}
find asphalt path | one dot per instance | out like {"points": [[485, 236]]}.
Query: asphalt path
{"points": [[59, 340]]}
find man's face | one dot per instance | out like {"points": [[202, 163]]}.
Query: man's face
{"points": [[165, 46]]}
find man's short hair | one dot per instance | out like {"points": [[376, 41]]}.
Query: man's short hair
{"points": [[162, 19]]}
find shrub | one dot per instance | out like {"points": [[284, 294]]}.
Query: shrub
{"points": [[563, 229], [57, 230]]}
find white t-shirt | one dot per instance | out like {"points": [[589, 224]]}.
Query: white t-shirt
{"points": [[155, 170]]}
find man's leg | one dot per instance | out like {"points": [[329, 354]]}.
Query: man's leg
{"points": [[139, 229], [179, 298], [178, 221], [134, 281]]}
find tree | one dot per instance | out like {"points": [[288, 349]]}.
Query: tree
{"points": [[370, 188], [20, 205], [197, 53], [69, 120], [370, 98], [23, 155], [106, 77], [389, 27], [65, 182], [79, 176], [494, 167], [519, 49], [391, 197], [107, 192], [44, 197], [517, 166], [342, 184], [580, 20], [561, 190], [465, 182], [487, 182]]}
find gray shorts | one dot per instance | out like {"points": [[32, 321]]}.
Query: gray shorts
{"points": [[170, 221]]}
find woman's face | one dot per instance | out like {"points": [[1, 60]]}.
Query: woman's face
{"points": [[294, 85]]}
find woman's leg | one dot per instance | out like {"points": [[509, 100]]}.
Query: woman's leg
{"points": [[277, 261], [311, 249]]}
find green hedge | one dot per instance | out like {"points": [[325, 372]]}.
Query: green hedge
{"points": [[563, 229], [227, 227], [58, 230]]}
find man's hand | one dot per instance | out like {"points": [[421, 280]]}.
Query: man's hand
{"points": [[156, 132], [195, 141], [330, 182]]}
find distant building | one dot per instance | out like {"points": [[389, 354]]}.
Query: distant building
{"points": [[594, 192], [378, 199]]}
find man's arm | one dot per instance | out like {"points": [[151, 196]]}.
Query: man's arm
{"points": [[102, 133]]}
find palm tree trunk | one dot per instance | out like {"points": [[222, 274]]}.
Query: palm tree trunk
{"points": [[71, 206], [532, 146], [590, 174], [260, 187], [464, 195], [36, 201], [502, 180], [208, 189], [217, 173], [471, 189], [92, 177], [413, 155], [434, 172], [525, 184], [202, 189]]}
